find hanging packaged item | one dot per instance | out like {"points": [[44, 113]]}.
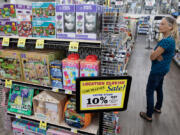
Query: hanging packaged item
{"points": [[88, 21], [20, 99], [74, 119], [90, 66], [10, 65], [43, 11], [48, 106], [66, 21], [70, 71]]}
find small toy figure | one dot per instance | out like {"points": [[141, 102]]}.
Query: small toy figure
{"points": [[6, 13], [14, 29], [51, 10], [12, 11], [51, 29]]}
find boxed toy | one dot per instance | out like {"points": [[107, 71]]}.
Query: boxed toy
{"points": [[89, 66], [43, 11], [58, 131], [74, 119], [23, 12], [20, 99], [25, 29], [8, 11], [36, 66], [56, 74], [48, 106], [66, 21], [19, 126], [11, 28], [70, 71], [88, 21], [3, 28], [10, 65], [43, 29]]}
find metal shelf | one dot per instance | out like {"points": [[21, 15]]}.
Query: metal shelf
{"points": [[40, 87], [176, 61], [92, 129]]}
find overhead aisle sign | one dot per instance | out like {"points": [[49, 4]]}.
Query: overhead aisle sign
{"points": [[102, 93]]}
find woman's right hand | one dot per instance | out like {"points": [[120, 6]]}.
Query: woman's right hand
{"points": [[160, 58]]}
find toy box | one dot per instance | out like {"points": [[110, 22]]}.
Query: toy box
{"points": [[20, 99], [56, 74], [43, 29], [10, 65], [88, 21], [25, 29], [57, 131], [66, 21], [24, 127], [23, 12], [74, 119], [2, 28], [70, 71], [36, 66], [48, 106], [11, 28], [8, 11], [43, 11], [89, 66]]}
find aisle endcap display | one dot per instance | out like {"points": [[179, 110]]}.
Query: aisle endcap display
{"points": [[92, 129]]}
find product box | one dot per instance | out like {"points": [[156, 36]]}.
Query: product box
{"points": [[66, 21], [25, 29], [89, 67], [11, 28], [43, 11], [20, 99], [48, 106], [36, 67], [10, 65], [88, 21], [58, 131], [70, 73], [8, 11], [43, 29], [19, 126], [2, 28], [23, 12]]}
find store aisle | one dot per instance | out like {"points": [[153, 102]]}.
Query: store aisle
{"points": [[166, 123]]}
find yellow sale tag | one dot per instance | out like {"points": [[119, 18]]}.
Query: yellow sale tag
{"points": [[8, 83], [55, 89], [73, 47], [74, 130], [40, 44], [18, 116], [43, 125], [68, 92], [21, 42], [5, 42]]}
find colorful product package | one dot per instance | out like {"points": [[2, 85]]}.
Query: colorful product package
{"points": [[3, 28], [23, 12], [43, 11], [10, 65], [8, 11], [44, 29], [48, 106], [25, 29], [19, 126], [87, 21], [66, 21], [11, 28], [57, 131], [74, 119], [36, 67], [20, 99], [56, 74], [89, 66], [70, 71]]}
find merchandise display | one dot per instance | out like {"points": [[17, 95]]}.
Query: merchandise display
{"points": [[56, 74], [90, 66], [87, 24], [70, 71], [74, 119], [20, 99], [8, 28], [25, 29], [10, 65], [66, 21], [8, 11], [49, 106], [43, 11]]}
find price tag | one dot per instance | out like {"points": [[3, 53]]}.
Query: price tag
{"points": [[74, 130], [73, 47], [43, 125], [5, 42], [21, 42], [68, 92], [8, 83], [18, 116], [40, 44], [55, 89]]}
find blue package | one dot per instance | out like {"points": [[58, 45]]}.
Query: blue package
{"points": [[56, 69], [57, 83]]}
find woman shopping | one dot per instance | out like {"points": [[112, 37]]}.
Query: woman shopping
{"points": [[161, 58]]}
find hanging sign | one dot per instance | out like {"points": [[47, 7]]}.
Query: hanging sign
{"points": [[102, 93]]}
